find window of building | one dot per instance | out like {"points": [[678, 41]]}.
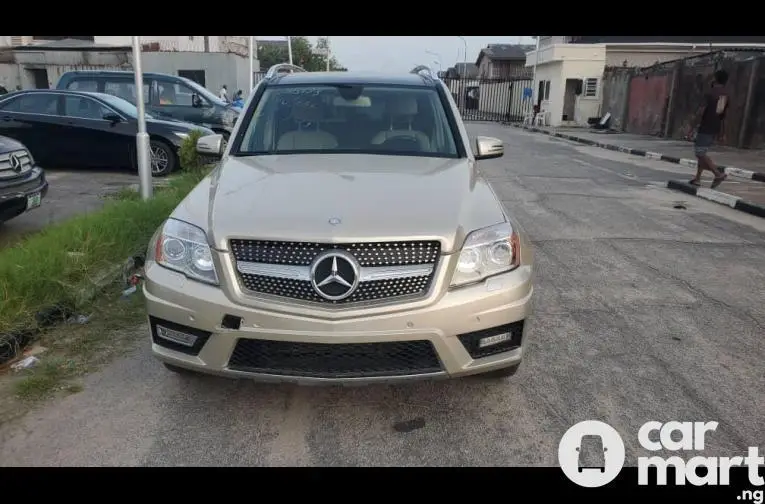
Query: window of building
{"points": [[590, 88]]}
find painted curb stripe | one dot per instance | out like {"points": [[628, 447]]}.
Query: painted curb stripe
{"points": [[691, 163], [718, 197]]}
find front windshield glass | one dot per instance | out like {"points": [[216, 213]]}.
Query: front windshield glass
{"points": [[120, 105], [354, 119], [203, 92]]}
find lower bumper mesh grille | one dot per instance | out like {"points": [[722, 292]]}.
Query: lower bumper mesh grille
{"points": [[340, 360]]}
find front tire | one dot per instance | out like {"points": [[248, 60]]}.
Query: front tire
{"points": [[164, 160]]}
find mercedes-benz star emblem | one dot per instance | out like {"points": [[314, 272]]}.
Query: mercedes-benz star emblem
{"points": [[334, 221], [335, 274], [15, 163]]}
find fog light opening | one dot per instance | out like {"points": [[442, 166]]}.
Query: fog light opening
{"points": [[494, 340], [178, 337]]}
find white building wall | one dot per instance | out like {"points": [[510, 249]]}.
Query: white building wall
{"points": [[560, 62]]}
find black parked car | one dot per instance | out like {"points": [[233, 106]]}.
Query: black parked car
{"points": [[73, 128], [22, 182], [164, 96]]}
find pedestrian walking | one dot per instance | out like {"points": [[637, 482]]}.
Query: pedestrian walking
{"points": [[223, 93], [711, 126]]}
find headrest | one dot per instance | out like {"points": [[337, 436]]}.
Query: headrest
{"points": [[306, 112], [403, 106]]}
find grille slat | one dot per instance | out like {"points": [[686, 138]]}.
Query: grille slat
{"points": [[341, 360], [386, 254], [5, 164]]}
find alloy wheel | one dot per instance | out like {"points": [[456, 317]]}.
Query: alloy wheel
{"points": [[159, 160]]}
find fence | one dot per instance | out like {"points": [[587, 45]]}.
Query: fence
{"points": [[665, 100], [483, 99]]}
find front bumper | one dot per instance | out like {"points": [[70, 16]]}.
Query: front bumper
{"points": [[14, 193], [449, 325]]}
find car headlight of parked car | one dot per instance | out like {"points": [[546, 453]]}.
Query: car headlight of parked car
{"points": [[183, 247], [488, 251]]}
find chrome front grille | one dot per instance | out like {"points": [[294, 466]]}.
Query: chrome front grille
{"points": [[23, 164], [385, 270]]}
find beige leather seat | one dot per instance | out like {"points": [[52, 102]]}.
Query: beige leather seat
{"points": [[402, 110], [306, 139]]}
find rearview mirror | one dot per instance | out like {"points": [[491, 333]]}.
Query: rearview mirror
{"points": [[211, 145], [488, 148], [112, 117]]}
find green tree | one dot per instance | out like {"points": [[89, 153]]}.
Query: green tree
{"points": [[303, 55]]}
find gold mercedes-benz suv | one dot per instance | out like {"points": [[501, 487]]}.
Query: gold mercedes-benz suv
{"points": [[347, 235]]}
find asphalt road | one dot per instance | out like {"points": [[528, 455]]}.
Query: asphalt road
{"points": [[643, 312], [71, 192]]}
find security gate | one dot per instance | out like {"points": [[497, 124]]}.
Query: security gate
{"points": [[484, 99]]}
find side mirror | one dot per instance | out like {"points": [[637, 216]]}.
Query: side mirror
{"points": [[112, 117], [211, 145], [488, 148], [196, 101]]}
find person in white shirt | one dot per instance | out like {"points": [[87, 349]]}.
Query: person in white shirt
{"points": [[223, 93]]}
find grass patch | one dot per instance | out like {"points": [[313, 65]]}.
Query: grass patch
{"points": [[52, 266], [73, 350]]}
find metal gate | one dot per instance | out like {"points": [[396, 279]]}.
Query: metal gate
{"points": [[484, 99]]}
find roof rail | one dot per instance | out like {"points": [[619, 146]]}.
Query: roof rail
{"points": [[282, 66], [418, 70]]}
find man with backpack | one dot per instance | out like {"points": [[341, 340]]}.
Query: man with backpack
{"points": [[710, 127]]}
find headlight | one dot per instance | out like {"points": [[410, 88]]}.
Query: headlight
{"points": [[181, 247], [181, 135], [486, 252]]}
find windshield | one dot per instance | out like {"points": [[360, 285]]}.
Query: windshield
{"points": [[333, 119], [121, 105], [204, 92]]}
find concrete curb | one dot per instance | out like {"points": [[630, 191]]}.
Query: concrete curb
{"points": [[691, 163], [734, 202]]}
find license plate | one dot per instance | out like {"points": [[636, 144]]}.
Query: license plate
{"points": [[34, 200]]}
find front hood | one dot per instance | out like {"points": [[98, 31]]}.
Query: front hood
{"points": [[9, 144], [376, 198]]}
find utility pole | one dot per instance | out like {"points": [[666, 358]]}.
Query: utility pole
{"points": [[328, 54], [289, 47], [143, 156], [252, 56], [534, 75]]}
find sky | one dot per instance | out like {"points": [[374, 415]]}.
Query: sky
{"points": [[401, 54]]}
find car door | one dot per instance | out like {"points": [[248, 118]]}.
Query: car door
{"points": [[93, 140], [32, 119], [174, 101]]}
